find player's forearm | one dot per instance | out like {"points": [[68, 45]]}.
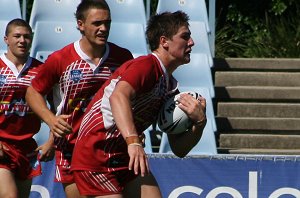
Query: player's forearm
{"points": [[38, 104], [183, 143], [122, 113]]}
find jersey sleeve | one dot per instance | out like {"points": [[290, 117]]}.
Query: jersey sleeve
{"points": [[141, 74], [47, 76]]}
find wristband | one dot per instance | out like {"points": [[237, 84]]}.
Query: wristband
{"points": [[199, 122], [134, 139], [135, 144]]}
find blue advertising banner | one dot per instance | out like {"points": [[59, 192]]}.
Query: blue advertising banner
{"points": [[227, 176], [215, 176], [44, 186]]}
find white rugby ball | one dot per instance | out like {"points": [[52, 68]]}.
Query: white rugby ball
{"points": [[172, 119]]}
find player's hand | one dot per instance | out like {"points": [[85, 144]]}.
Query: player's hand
{"points": [[60, 126], [3, 148], [194, 108], [138, 160], [47, 151]]}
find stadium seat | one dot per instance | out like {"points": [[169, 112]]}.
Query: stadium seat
{"points": [[197, 73], [53, 10], [3, 47], [200, 37], [148, 144], [42, 136], [196, 9], [132, 11], [10, 9], [52, 36], [132, 37], [206, 145]]}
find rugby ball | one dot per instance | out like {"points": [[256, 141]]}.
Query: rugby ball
{"points": [[171, 118]]}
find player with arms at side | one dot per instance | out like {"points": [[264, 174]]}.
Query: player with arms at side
{"points": [[79, 70], [18, 150], [126, 105]]}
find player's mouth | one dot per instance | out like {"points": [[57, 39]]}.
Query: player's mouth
{"points": [[102, 36], [22, 48], [188, 52]]}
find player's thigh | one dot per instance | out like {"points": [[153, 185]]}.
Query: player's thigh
{"points": [[8, 186], [71, 190], [24, 187], [143, 187]]}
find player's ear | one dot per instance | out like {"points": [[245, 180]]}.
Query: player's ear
{"points": [[164, 41], [5, 40], [80, 25]]}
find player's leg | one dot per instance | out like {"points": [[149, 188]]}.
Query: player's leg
{"points": [[143, 187], [8, 186], [71, 190], [24, 187]]}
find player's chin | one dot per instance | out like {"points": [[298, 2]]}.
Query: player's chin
{"points": [[101, 41], [187, 58]]}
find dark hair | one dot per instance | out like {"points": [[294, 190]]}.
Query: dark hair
{"points": [[89, 4], [165, 24], [17, 22]]}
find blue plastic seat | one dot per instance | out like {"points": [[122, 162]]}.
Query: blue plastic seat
{"points": [[206, 145], [52, 36], [10, 9], [42, 136], [196, 9], [129, 35], [3, 46], [53, 10], [197, 73], [148, 144], [200, 37], [132, 11]]}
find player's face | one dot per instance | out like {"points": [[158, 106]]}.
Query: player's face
{"points": [[18, 40], [180, 46], [96, 26]]}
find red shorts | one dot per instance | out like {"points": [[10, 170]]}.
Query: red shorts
{"points": [[21, 158], [90, 183], [63, 172]]}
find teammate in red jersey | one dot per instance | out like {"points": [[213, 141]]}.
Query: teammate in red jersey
{"points": [[18, 150], [126, 105], [76, 72]]}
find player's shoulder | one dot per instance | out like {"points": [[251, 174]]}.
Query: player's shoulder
{"points": [[35, 61], [147, 61], [115, 49], [63, 53], [114, 46]]}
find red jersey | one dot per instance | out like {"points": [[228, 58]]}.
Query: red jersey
{"points": [[76, 79], [17, 120], [99, 138]]}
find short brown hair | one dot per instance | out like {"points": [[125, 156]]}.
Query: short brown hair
{"points": [[17, 22], [165, 24]]}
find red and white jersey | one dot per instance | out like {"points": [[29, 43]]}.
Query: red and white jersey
{"points": [[17, 120], [99, 138], [72, 74]]}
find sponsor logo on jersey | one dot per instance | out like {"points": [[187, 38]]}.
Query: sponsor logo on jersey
{"points": [[2, 80], [76, 75], [17, 107]]}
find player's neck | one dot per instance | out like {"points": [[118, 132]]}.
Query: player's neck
{"points": [[17, 61], [95, 53], [167, 60]]}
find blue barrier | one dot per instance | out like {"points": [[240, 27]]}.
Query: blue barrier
{"points": [[227, 176], [209, 176], [44, 186]]}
